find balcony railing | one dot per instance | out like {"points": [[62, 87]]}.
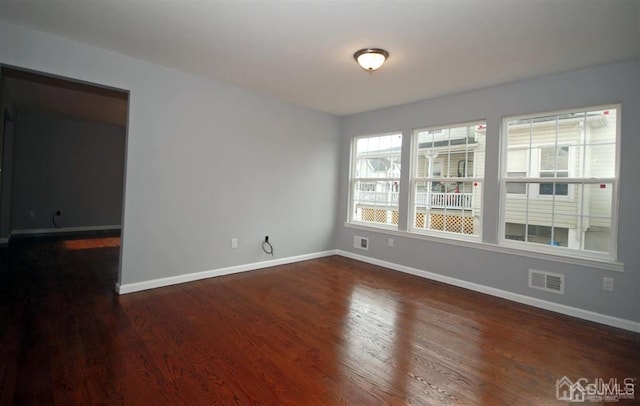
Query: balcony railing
{"points": [[438, 200], [377, 198], [446, 200]]}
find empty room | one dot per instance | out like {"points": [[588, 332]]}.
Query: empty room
{"points": [[319, 202]]}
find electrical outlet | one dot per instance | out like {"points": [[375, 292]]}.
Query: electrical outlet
{"points": [[234, 243], [607, 284], [361, 242], [32, 213], [58, 213], [390, 242]]}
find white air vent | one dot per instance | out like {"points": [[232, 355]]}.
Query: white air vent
{"points": [[361, 242], [551, 282]]}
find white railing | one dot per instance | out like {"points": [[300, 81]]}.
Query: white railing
{"points": [[377, 198], [447, 200], [438, 200]]}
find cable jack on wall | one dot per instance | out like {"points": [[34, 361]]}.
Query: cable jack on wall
{"points": [[53, 218], [266, 246]]}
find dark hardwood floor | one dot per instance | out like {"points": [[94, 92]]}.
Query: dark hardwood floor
{"points": [[321, 332]]}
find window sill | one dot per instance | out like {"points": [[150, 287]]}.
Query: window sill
{"points": [[373, 227], [602, 264]]}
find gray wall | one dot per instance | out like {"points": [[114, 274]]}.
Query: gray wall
{"points": [[583, 284], [206, 162], [76, 167]]}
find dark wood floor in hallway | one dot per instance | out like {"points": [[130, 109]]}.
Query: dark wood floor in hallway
{"points": [[321, 332]]}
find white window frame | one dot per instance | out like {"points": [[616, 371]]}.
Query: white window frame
{"points": [[353, 180], [415, 179], [571, 181]]}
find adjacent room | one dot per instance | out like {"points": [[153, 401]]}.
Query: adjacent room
{"points": [[316, 202]]}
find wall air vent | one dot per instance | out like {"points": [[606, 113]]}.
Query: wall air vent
{"points": [[550, 282]]}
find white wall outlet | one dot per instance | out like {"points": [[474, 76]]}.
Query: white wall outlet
{"points": [[234, 243], [390, 242], [607, 284], [361, 242], [32, 213]]}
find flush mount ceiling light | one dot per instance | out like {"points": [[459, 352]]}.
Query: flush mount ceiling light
{"points": [[371, 59]]}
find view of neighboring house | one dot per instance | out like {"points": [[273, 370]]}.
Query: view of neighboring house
{"points": [[449, 166], [576, 213], [558, 179], [377, 166]]}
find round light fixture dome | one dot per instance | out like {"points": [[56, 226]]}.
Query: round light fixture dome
{"points": [[371, 59]]}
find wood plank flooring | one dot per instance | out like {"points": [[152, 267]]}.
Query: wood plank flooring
{"points": [[321, 332]]}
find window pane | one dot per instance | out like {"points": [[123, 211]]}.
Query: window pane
{"points": [[558, 189], [376, 169], [422, 193], [380, 193], [455, 211], [517, 160], [552, 158], [443, 201], [378, 157], [376, 201], [451, 152], [543, 132], [547, 159], [601, 160], [543, 235], [597, 205], [534, 211], [516, 188], [601, 126], [574, 146], [537, 234], [514, 231]]}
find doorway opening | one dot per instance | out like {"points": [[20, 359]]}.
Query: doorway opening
{"points": [[63, 159]]}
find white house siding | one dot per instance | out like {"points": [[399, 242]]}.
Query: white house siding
{"points": [[600, 155], [565, 213], [586, 209], [535, 209]]}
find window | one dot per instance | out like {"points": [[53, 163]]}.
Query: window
{"points": [[448, 168], [560, 180], [375, 179]]}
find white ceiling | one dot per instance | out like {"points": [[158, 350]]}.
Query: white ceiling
{"points": [[301, 51]]}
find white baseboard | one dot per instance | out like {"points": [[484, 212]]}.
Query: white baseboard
{"points": [[539, 303], [173, 280], [45, 231], [515, 297], [4, 241]]}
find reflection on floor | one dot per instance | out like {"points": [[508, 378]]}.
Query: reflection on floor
{"points": [[90, 243], [320, 332]]}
